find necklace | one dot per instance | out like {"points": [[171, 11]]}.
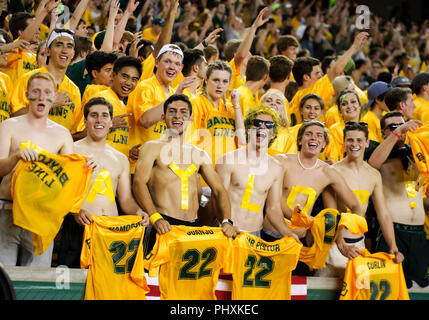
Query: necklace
{"points": [[302, 166]]}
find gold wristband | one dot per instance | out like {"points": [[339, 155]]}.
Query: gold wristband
{"points": [[154, 218]]}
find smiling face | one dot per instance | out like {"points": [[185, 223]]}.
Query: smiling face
{"points": [[61, 52], [355, 143], [218, 83], [274, 100], [41, 94], [168, 65], [98, 122], [311, 110], [125, 81], [350, 107], [177, 116], [261, 131], [313, 140]]}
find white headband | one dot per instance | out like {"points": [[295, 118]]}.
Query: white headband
{"points": [[170, 48], [56, 33]]}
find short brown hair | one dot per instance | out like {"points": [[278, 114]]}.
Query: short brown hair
{"points": [[396, 95], [310, 123], [231, 48], [257, 68], [210, 51], [280, 68], [285, 42]]}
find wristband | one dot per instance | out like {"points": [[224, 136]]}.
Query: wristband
{"points": [[154, 218], [227, 221], [204, 43], [396, 134]]}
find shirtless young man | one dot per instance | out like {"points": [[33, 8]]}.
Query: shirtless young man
{"points": [[166, 179], [253, 179], [109, 181], [399, 175], [365, 181], [16, 243], [306, 176]]}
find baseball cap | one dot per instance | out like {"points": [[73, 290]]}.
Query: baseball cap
{"points": [[158, 21], [400, 81], [376, 89], [170, 48], [56, 33]]}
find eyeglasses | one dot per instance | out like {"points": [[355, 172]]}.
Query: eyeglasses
{"points": [[352, 123], [258, 123], [393, 126]]}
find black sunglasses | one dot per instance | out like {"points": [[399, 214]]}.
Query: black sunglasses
{"points": [[393, 126], [258, 123], [351, 123]]}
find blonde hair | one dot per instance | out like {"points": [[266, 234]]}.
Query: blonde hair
{"points": [[262, 109], [282, 116], [217, 65], [42, 75]]}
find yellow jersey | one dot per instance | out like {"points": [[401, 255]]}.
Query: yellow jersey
{"points": [[322, 87], [213, 130], [146, 95], [147, 34], [236, 79], [374, 128], [374, 277], [19, 63], [333, 116], [5, 90], [90, 91], [148, 65], [247, 100], [285, 142], [188, 261], [325, 227], [118, 138], [262, 270], [109, 249], [67, 116], [419, 142], [44, 191], [335, 149], [422, 108]]}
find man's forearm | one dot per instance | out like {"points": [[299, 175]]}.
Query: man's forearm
{"points": [[152, 116]]}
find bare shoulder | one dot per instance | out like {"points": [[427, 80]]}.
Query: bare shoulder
{"points": [[230, 158], [329, 170], [274, 164], [152, 146], [9, 125], [374, 173], [284, 158], [116, 154]]}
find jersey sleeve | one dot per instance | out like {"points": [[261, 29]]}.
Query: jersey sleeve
{"points": [[86, 253], [18, 99], [138, 273]]}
